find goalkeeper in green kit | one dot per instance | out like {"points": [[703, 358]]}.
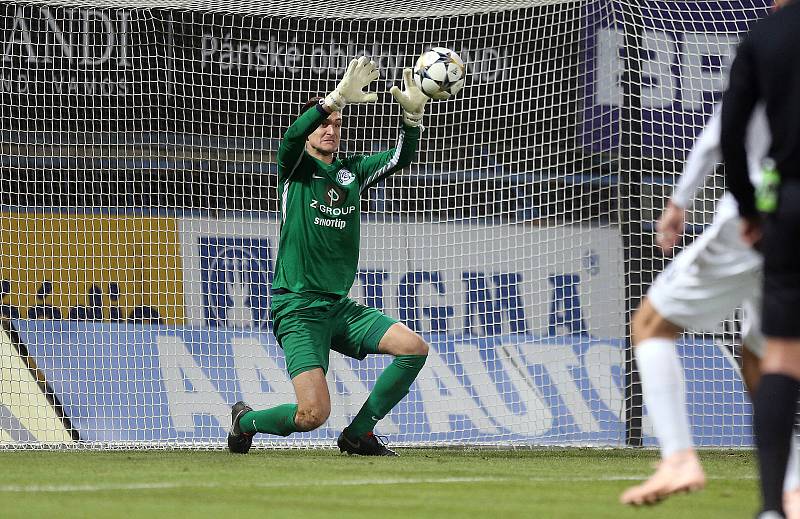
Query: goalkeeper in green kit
{"points": [[316, 266]]}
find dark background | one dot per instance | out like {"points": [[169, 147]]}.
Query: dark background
{"points": [[179, 110]]}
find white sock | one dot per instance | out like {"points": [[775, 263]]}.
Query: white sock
{"points": [[792, 479], [664, 393]]}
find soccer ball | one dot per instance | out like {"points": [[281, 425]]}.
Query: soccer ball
{"points": [[440, 73]]}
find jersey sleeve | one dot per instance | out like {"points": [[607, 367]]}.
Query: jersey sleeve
{"points": [[705, 155], [738, 103], [290, 152], [373, 168]]}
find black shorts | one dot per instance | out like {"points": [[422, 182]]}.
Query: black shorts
{"points": [[781, 248]]}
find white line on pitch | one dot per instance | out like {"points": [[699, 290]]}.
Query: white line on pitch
{"points": [[171, 485], [338, 483]]}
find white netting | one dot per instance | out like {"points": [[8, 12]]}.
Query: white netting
{"points": [[345, 9], [139, 227]]}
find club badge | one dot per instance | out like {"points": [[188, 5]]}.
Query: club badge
{"points": [[345, 177]]}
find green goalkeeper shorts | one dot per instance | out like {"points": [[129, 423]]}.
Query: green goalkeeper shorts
{"points": [[308, 326]]}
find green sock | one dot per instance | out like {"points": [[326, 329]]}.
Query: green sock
{"points": [[278, 421], [392, 385]]}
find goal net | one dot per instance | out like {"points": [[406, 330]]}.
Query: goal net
{"points": [[140, 217]]}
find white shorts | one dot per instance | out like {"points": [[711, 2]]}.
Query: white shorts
{"points": [[709, 279]]}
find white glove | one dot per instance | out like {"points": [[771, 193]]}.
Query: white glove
{"points": [[360, 73], [412, 99]]}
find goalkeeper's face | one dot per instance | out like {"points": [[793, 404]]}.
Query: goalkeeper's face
{"points": [[325, 139]]}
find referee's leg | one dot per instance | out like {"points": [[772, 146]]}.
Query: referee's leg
{"points": [[775, 403]]}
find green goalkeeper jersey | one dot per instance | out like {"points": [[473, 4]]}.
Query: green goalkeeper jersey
{"points": [[320, 208]]}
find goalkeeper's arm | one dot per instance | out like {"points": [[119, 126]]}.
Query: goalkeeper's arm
{"points": [[294, 140], [350, 90], [374, 168]]}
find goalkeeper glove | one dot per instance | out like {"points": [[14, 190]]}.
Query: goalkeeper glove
{"points": [[360, 73], [412, 99]]}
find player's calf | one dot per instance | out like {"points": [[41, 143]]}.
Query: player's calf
{"points": [[664, 396], [410, 352]]}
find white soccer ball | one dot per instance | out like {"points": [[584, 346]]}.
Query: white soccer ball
{"points": [[440, 73]]}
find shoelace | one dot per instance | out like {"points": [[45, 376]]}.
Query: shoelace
{"points": [[383, 440]]}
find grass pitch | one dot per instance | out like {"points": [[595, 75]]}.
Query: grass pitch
{"points": [[441, 483]]}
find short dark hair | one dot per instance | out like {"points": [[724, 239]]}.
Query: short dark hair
{"points": [[311, 103]]}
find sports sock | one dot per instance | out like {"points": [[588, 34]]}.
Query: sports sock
{"points": [[277, 420], [773, 419], [664, 393], [792, 479], [392, 385]]}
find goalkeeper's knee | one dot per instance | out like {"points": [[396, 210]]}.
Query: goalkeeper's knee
{"points": [[310, 417], [418, 346]]}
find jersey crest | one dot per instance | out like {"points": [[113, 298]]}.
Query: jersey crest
{"points": [[345, 177]]}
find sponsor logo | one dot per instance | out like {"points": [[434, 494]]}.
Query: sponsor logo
{"points": [[488, 63], [30, 412], [332, 211], [681, 70], [345, 177], [92, 47], [236, 275], [326, 222]]}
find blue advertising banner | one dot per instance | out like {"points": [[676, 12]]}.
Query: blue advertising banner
{"points": [[465, 285], [174, 385]]}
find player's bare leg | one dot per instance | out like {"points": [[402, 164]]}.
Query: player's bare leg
{"points": [[313, 399], [679, 469]]}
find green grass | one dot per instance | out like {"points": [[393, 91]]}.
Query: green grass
{"points": [[441, 483]]}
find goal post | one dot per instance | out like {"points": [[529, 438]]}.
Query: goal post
{"points": [[140, 219]]}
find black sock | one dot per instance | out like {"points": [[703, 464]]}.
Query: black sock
{"points": [[774, 409]]}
